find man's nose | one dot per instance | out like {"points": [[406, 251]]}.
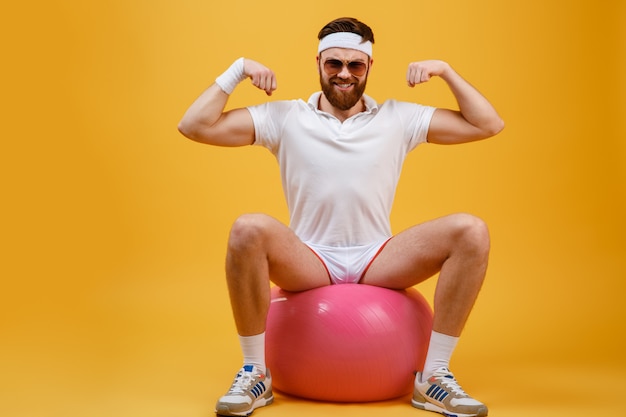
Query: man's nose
{"points": [[344, 73]]}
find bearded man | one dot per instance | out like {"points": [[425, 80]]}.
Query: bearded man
{"points": [[340, 155]]}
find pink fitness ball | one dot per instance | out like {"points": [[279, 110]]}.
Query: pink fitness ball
{"points": [[348, 342]]}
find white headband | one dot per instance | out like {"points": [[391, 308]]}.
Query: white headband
{"points": [[347, 40]]}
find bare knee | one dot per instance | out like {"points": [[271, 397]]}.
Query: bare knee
{"points": [[248, 232], [471, 233]]}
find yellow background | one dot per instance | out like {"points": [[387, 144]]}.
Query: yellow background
{"points": [[113, 226]]}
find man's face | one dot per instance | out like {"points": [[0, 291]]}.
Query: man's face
{"points": [[343, 76]]}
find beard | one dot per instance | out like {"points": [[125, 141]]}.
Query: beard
{"points": [[343, 100]]}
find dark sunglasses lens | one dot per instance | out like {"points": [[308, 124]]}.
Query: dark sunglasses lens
{"points": [[333, 66], [356, 68]]}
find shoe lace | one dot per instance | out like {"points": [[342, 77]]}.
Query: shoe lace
{"points": [[450, 382], [242, 382]]}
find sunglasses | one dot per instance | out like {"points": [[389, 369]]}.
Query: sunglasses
{"points": [[334, 66]]}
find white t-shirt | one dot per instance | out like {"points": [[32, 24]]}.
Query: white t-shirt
{"points": [[340, 179]]}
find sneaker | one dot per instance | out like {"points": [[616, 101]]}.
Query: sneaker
{"points": [[442, 394], [251, 389]]}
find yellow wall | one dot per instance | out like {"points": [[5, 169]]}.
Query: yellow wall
{"points": [[114, 226]]}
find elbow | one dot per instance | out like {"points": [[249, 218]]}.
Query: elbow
{"points": [[186, 129], [495, 127], [183, 129], [500, 126]]}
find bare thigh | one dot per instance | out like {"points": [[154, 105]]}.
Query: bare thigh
{"points": [[419, 252], [290, 263]]}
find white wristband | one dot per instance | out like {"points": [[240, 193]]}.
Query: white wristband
{"points": [[231, 77]]}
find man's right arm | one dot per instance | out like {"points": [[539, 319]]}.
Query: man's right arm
{"points": [[206, 121]]}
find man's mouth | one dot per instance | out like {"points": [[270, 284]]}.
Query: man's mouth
{"points": [[344, 86]]}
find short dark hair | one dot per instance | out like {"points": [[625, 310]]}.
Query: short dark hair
{"points": [[347, 24]]}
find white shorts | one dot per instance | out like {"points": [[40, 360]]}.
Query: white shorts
{"points": [[347, 265]]}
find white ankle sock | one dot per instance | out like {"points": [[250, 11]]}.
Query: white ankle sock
{"points": [[253, 349], [439, 353]]}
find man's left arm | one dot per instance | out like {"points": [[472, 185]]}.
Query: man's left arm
{"points": [[476, 118]]}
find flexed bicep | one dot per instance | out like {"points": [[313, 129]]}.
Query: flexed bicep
{"points": [[206, 121], [449, 127], [476, 118]]}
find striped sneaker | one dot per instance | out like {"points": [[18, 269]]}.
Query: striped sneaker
{"points": [[251, 389], [442, 394]]}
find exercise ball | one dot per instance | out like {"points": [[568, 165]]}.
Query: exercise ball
{"points": [[347, 342]]}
